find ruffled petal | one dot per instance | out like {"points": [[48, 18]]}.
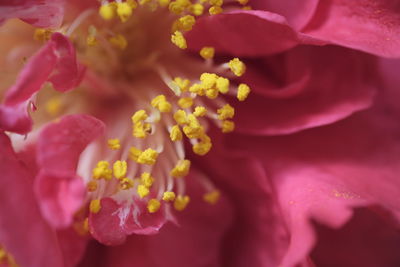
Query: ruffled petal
{"points": [[367, 25], [23, 231], [59, 190], [304, 88], [40, 13]]}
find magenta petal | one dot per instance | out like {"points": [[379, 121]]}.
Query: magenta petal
{"points": [[244, 33], [40, 13], [60, 197], [368, 25], [15, 119], [22, 229]]}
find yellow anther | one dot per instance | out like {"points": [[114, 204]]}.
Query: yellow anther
{"points": [[181, 169], [223, 85], [180, 117], [91, 40], [214, 10], [183, 84], [160, 102], [143, 191], [42, 34], [164, 3], [228, 126], [181, 202], [193, 128], [120, 168], [124, 11], [141, 130], [176, 133], [132, 3], [178, 6], [91, 186], [126, 183], [107, 11], [114, 144], [212, 197], [179, 40], [208, 80], [199, 111], [153, 205], [102, 171], [185, 102], [247, 8], [243, 91], [237, 67], [216, 2], [196, 9], [95, 206], [144, 2], [197, 89], [168, 196], [134, 153], [212, 93], [207, 52], [202, 147], [149, 156], [139, 115], [53, 106], [226, 112], [243, 2], [186, 23], [146, 179], [118, 41]]}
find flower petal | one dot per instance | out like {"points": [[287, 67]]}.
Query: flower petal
{"points": [[368, 25], [42, 13], [23, 231], [15, 119]]}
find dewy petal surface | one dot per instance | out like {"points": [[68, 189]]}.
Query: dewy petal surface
{"points": [[23, 231], [372, 26]]}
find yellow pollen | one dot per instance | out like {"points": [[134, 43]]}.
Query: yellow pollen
{"points": [[181, 202], [237, 67], [168, 196], [179, 40], [91, 40], [216, 2], [181, 169], [226, 112], [134, 153], [141, 130], [153, 205], [114, 144], [95, 206], [227, 126], [139, 115], [143, 191], [197, 89], [207, 52], [214, 10], [176, 133], [212, 197], [164, 3], [183, 84], [119, 41], [185, 102], [120, 168], [212, 93], [92, 186], [186, 23], [243, 91], [223, 85], [124, 11], [208, 80], [126, 184], [180, 117], [146, 179], [102, 171], [107, 11], [247, 8], [53, 106], [42, 34], [149, 156], [243, 2], [160, 102], [196, 9], [178, 6], [193, 129], [200, 111], [202, 147]]}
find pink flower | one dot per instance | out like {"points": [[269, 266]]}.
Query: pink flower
{"points": [[316, 139]]}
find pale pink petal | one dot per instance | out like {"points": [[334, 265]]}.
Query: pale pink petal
{"points": [[372, 26], [59, 190], [22, 229], [40, 13], [304, 88]]}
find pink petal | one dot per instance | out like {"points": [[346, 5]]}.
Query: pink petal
{"points": [[368, 25], [59, 190], [22, 229], [304, 88], [244, 33], [40, 13], [73, 246], [15, 119]]}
